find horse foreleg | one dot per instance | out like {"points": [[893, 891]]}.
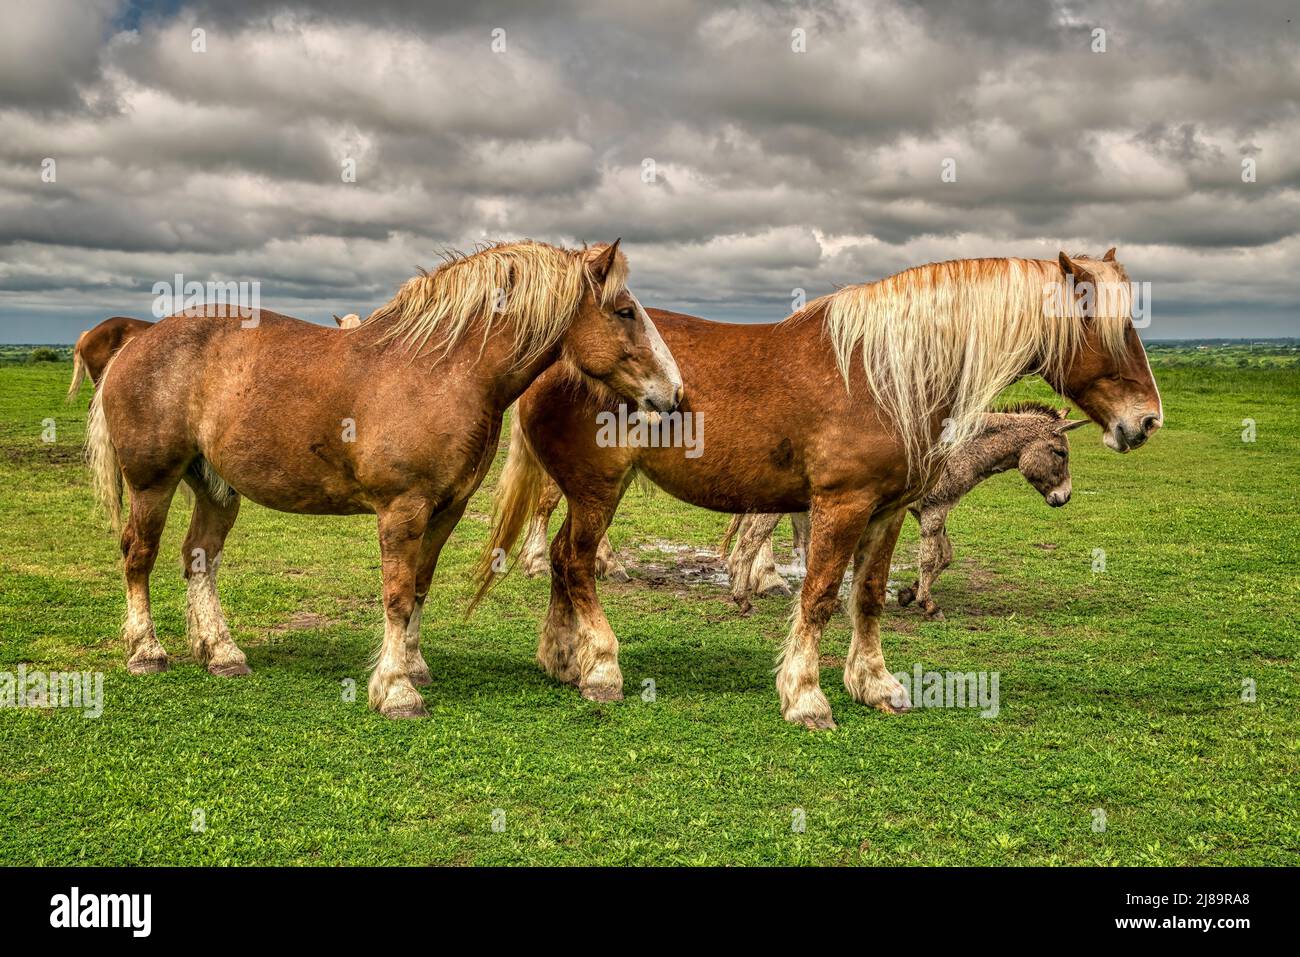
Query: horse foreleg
{"points": [[209, 636], [593, 647], [402, 529], [140, 537], [836, 528], [865, 675]]}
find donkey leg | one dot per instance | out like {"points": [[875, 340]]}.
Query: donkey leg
{"points": [[140, 536], [751, 565], [934, 544], [434, 538], [766, 581], [209, 636], [607, 564], [865, 675], [801, 534], [835, 530], [533, 556], [402, 529]]}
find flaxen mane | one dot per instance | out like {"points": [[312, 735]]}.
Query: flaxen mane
{"points": [[534, 286], [954, 334]]}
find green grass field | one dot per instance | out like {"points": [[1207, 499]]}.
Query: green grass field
{"points": [[1121, 690]]}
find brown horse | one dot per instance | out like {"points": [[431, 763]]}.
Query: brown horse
{"points": [[96, 346], [399, 417], [844, 409]]}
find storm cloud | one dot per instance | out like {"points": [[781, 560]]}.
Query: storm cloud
{"points": [[742, 152]]}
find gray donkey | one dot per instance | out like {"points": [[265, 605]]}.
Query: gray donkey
{"points": [[1028, 436]]}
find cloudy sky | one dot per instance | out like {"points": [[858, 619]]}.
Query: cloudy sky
{"points": [[735, 168]]}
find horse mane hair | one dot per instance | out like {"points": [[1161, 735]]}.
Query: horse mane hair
{"points": [[954, 334], [534, 286]]}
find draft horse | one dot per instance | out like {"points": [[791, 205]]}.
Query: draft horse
{"points": [[399, 417], [846, 409]]}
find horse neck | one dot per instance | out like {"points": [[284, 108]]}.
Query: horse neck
{"points": [[491, 364]]}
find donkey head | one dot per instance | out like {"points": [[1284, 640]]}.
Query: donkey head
{"points": [[613, 340], [1110, 381], [1045, 459]]}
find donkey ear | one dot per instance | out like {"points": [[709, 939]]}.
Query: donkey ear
{"points": [[1070, 426], [1110, 255], [602, 261], [1070, 267]]}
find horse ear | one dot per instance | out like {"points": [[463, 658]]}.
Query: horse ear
{"points": [[337, 320], [1070, 267], [1063, 414], [1070, 426], [602, 260], [1110, 255]]}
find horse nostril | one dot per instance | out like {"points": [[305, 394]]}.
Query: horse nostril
{"points": [[677, 398], [1150, 423]]}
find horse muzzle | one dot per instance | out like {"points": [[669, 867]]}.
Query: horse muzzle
{"points": [[1127, 436]]}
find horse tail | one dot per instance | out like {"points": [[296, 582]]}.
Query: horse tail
{"points": [[517, 496], [725, 545], [101, 456], [78, 369]]}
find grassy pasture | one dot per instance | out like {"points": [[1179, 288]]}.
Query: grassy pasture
{"points": [[1121, 690]]}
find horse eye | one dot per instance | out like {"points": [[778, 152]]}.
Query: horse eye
{"points": [[1059, 453], [626, 314]]}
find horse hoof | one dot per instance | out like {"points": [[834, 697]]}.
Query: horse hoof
{"points": [[888, 707], [618, 575], [534, 571], [819, 723], [781, 590], [906, 596], [233, 669], [602, 693], [147, 666], [399, 712], [935, 615], [744, 606]]}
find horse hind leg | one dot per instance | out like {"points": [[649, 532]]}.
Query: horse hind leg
{"points": [[533, 556], [434, 539], [836, 528], [865, 676], [216, 506], [140, 537], [402, 528]]}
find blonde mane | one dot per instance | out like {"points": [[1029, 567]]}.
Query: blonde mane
{"points": [[535, 287], [955, 334]]}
